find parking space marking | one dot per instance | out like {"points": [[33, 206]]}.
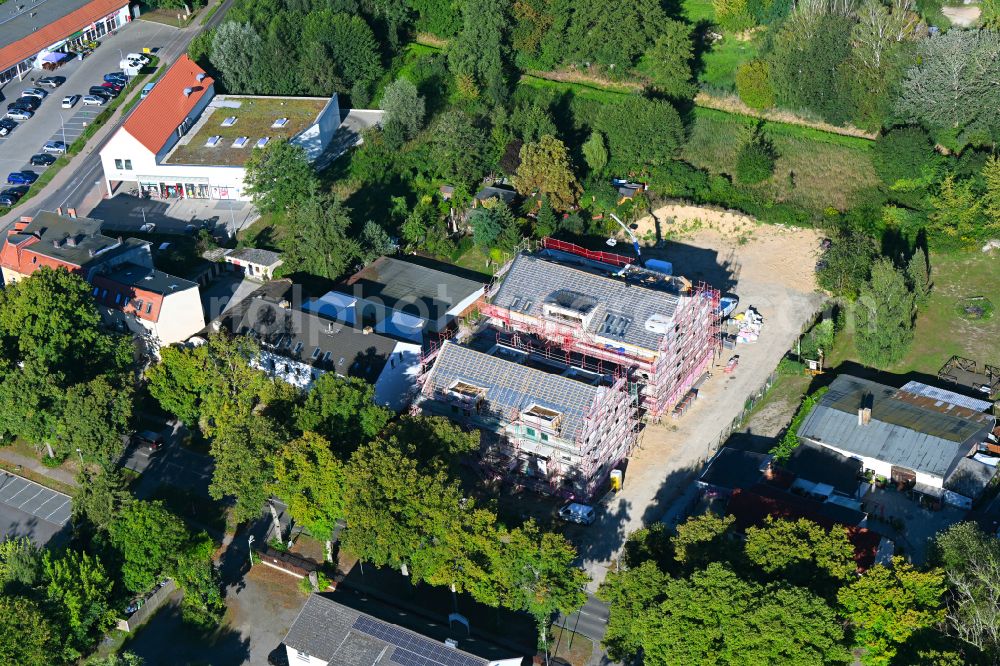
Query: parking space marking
{"points": [[49, 517], [42, 496], [37, 493]]}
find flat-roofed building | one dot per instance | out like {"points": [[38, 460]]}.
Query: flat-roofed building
{"points": [[184, 141]]}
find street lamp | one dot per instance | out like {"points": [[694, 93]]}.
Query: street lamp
{"points": [[250, 546]]}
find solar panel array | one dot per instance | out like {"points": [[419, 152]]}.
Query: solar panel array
{"points": [[414, 650]]}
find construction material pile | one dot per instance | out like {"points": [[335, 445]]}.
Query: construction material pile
{"points": [[750, 323]]}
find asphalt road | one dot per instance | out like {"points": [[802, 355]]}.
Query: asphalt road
{"points": [[591, 620], [89, 175], [28, 509]]}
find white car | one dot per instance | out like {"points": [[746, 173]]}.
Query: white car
{"points": [[137, 57], [19, 114], [34, 92], [93, 100], [581, 514], [70, 101]]}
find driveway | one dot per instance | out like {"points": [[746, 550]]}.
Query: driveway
{"points": [[173, 465], [50, 120], [28, 509], [125, 212]]}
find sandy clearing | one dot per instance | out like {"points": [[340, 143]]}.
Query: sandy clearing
{"points": [[962, 17]]}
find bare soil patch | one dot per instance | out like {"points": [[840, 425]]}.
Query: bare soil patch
{"points": [[965, 16]]}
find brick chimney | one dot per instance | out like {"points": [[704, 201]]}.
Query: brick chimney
{"points": [[59, 211], [71, 212]]}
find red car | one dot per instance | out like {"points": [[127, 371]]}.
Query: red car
{"points": [[112, 86]]}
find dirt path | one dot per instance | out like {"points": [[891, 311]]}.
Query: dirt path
{"points": [[962, 17], [770, 268], [734, 105]]}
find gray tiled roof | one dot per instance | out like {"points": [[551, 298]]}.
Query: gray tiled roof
{"points": [[149, 279], [626, 305], [255, 255], [75, 240], [512, 386], [343, 636], [900, 432]]}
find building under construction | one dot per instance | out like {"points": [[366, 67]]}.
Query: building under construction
{"points": [[576, 347], [554, 432], [566, 302]]}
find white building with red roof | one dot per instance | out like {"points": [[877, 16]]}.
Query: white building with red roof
{"points": [[186, 141]]}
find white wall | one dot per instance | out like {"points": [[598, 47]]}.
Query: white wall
{"points": [[295, 660], [395, 387], [460, 307], [181, 316], [315, 138]]}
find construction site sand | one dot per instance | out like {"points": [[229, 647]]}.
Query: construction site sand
{"points": [[768, 267]]}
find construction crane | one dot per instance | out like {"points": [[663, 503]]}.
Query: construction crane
{"points": [[635, 241]]}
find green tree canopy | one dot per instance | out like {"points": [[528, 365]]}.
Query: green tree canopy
{"points": [[905, 155], [641, 132], [235, 50], [545, 170], [79, 592], [800, 550], [99, 496], [404, 108], [971, 561], [595, 153], [700, 539], [884, 317], [20, 564], [149, 538], [243, 448], [753, 84], [481, 52], [310, 480], [669, 60], [459, 148], [279, 177], [28, 635], [96, 421], [343, 411], [319, 242]]}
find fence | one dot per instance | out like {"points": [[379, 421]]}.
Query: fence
{"points": [[150, 606], [752, 401], [290, 563]]}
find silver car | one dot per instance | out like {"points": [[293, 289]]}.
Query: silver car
{"points": [[93, 100], [19, 114], [34, 92]]}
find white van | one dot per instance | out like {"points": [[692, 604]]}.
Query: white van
{"points": [[578, 513]]}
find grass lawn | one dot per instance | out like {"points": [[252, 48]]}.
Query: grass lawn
{"points": [[720, 61], [696, 11], [941, 332], [582, 90], [576, 649], [814, 169], [167, 17]]}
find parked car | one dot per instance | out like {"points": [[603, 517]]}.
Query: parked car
{"points": [[29, 103], [113, 87], [12, 195], [137, 57], [7, 200], [6, 126], [21, 177], [578, 513], [17, 191], [51, 81], [19, 114], [95, 100], [34, 92], [147, 228], [69, 101], [100, 90], [57, 147], [149, 440], [116, 77], [146, 89], [42, 159]]}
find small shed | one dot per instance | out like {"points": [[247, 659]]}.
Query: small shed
{"points": [[257, 264]]}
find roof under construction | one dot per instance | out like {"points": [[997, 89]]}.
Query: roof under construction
{"points": [[617, 309], [511, 386]]}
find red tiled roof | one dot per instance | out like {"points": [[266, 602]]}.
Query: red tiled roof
{"points": [[47, 35], [165, 108], [20, 258], [123, 291]]}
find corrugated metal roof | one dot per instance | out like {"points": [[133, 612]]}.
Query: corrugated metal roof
{"points": [[510, 385], [899, 433], [947, 397], [621, 309]]}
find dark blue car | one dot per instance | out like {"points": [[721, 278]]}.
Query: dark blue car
{"points": [[21, 178], [116, 77]]}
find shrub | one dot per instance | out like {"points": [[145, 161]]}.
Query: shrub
{"points": [[753, 84], [905, 155], [755, 161], [735, 15]]}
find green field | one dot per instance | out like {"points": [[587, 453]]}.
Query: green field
{"points": [[721, 60], [941, 333], [814, 169], [696, 11]]}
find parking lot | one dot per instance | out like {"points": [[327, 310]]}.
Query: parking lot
{"points": [[50, 121], [28, 509]]}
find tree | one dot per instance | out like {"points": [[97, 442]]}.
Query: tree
{"points": [[488, 223], [952, 88], [991, 198], [918, 274], [717, 617], [630, 594], [481, 52], [989, 17], [883, 317], [96, 421], [801, 549], [614, 39], [545, 170], [27, 634], [734, 15], [235, 49], [904, 157], [310, 480], [438, 17], [641, 132], [753, 84], [546, 221], [149, 538], [700, 539], [279, 177], [595, 153], [120, 659], [319, 243], [847, 265], [459, 148], [888, 605], [669, 60], [532, 121], [99, 496], [956, 209], [755, 159], [79, 592], [196, 575], [404, 108], [20, 564], [375, 242], [355, 53], [971, 561], [243, 449], [432, 441], [343, 411]]}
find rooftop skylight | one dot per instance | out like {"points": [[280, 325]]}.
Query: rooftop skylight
{"points": [[240, 142], [229, 122], [280, 122], [261, 142], [213, 141]]}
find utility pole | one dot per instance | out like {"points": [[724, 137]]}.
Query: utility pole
{"points": [[250, 546]]}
